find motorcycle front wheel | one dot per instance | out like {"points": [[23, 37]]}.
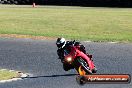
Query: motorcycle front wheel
{"points": [[82, 67]]}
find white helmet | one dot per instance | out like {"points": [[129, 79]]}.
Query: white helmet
{"points": [[61, 42]]}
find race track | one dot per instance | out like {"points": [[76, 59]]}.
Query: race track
{"points": [[39, 58]]}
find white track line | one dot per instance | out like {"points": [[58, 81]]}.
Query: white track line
{"points": [[100, 42], [113, 42], [88, 41]]}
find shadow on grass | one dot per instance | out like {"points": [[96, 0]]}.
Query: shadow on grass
{"points": [[50, 76]]}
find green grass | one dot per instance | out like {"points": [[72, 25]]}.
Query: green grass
{"points": [[5, 74], [81, 23]]}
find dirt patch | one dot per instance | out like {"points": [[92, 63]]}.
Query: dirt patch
{"points": [[27, 36]]}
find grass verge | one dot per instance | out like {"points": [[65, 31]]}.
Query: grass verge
{"points": [[80, 23], [6, 74]]}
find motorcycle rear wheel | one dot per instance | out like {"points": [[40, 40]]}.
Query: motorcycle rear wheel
{"points": [[81, 80]]}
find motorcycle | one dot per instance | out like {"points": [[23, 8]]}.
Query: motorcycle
{"points": [[74, 58]]}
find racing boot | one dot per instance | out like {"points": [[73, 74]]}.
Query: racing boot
{"points": [[94, 70], [90, 56]]}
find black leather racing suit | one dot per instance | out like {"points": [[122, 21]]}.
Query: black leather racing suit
{"points": [[60, 51]]}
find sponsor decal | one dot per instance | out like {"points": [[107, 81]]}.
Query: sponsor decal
{"points": [[104, 78]]}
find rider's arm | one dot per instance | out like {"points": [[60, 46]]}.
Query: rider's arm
{"points": [[82, 47], [60, 53]]}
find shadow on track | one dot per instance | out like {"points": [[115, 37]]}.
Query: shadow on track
{"points": [[47, 76]]}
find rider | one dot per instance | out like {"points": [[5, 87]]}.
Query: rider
{"points": [[62, 44]]}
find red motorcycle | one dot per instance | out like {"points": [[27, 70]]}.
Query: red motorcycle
{"points": [[75, 58]]}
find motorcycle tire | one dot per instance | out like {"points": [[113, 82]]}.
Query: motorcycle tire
{"points": [[81, 80]]}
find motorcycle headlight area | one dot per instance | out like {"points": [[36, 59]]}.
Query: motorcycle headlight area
{"points": [[69, 59]]}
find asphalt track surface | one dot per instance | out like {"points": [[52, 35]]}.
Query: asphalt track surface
{"points": [[39, 58]]}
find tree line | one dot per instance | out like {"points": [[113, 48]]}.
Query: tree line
{"points": [[96, 3]]}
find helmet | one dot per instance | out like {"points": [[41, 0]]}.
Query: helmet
{"points": [[61, 42]]}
